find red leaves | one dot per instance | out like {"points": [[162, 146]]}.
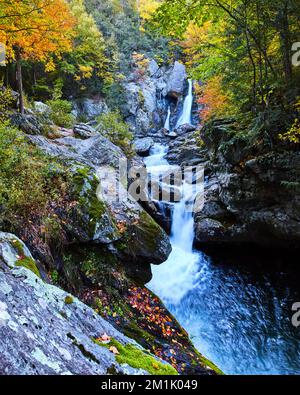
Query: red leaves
{"points": [[155, 316]]}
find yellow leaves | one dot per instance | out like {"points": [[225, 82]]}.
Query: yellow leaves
{"points": [[37, 27], [147, 8], [50, 65], [293, 134], [105, 339], [155, 365], [86, 71], [121, 225]]}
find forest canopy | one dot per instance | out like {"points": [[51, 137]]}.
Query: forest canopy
{"points": [[244, 47]]}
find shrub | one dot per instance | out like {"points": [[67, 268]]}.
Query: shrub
{"points": [[60, 113], [27, 179], [6, 100], [116, 130]]}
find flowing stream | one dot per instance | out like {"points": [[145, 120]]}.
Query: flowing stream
{"points": [[237, 310]]}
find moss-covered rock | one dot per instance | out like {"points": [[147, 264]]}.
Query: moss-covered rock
{"points": [[137, 358], [14, 253]]}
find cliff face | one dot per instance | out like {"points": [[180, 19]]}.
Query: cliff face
{"points": [[252, 190], [45, 330]]}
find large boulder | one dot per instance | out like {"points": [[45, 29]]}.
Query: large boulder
{"points": [[143, 146], [84, 131], [89, 108], [41, 108], [185, 150], [46, 331], [176, 83], [108, 214], [28, 123], [184, 129]]}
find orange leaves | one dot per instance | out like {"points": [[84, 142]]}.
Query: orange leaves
{"points": [[215, 102], [37, 28], [104, 339], [155, 316]]}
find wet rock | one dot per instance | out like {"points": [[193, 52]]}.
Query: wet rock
{"points": [[208, 230], [252, 192], [176, 83], [184, 129], [185, 149], [143, 146]]}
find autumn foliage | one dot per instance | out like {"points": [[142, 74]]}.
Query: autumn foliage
{"points": [[36, 28], [214, 101]]}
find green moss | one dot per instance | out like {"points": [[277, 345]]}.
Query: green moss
{"points": [[138, 359], [18, 246], [69, 299], [83, 350], [85, 185], [144, 236], [139, 335], [207, 362], [29, 264]]}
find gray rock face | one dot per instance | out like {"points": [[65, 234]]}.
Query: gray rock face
{"points": [[44, 330], [41, 108], [184, 150], [93, 152], [153, 68], [146, 241], [27, 123], [84, 131], [185, 129], [148, 97], [176, 81], [253, 196], [90, 108], [143, 146], [41, 334], [9, 249]]}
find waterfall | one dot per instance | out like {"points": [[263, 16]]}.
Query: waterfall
{"points": [[179, 271], [156, 158], [182, 231], [186, 116], [167, 123]]}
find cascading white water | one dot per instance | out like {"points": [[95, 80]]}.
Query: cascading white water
{"points": [[167, 123], [157, 157], [186, 116], [179, 271]]}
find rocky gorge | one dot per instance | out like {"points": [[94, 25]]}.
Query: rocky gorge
{"points": [[103, 249]]}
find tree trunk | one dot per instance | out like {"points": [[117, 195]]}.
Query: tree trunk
{"points": [[286, 45], [20, 81]]}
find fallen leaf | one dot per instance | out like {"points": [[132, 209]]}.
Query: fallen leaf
{"points": [[114, 350]]}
